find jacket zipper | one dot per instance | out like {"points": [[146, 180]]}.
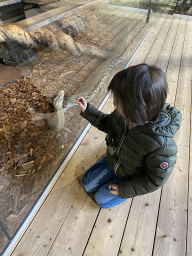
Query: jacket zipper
{"points": [[118, 148], [117, 165]]}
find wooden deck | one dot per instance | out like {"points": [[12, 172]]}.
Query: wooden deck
{"points": [[70, 223]]}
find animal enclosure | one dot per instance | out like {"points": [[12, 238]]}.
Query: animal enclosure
{"points": [[45, 66], [40, 121]]}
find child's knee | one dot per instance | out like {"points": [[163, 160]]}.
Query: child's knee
{"points": [[106, 202], [98, 200], [87, 185]]}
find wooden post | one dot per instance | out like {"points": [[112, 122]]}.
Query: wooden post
{"points": [[148, 15]]}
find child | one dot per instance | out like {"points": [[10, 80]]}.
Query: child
{"points": [[141, 152]]}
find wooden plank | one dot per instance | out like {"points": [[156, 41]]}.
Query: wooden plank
{"points": [[38, 237], [47, 17], [165, 54], [110, 13], [174, 63], [104, 14], [184, 75], [146, 47], [76, 228], [8, 2], [107, 232], [172, 223], [189, 230], [189, 226], [140, 229], [131, 3], [155, 52], [43, 230]]}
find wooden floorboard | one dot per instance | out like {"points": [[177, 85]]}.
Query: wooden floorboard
{"points": [[148, 44], [108, 230], [188, 76], [70, 223], [172, 221]]}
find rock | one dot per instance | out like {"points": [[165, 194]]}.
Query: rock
{"points": [[72, 25], [14, 55], [12, 218], [12, 34], [92, 50], [17, 47], [70, 30], [46, 38], [66, 43]]}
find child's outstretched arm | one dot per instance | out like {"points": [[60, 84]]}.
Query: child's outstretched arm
{"points": [[103, 122]]}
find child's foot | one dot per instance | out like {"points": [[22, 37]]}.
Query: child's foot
{"points": [[58, 100]]}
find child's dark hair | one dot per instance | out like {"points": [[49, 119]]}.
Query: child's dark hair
{"points": [[141, 90]]}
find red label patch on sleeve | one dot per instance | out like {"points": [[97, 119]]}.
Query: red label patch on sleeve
{"points": [[164, 165]]}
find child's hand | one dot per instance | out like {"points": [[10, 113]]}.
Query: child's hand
{"points": [[115, 190], [81, 101]]}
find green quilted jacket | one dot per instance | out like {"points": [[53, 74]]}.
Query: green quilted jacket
{"points": [[144, 156]]}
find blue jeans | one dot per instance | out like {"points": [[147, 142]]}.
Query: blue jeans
{"points": [[97, 179]]}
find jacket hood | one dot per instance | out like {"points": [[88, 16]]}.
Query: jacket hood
{"points": [[167, 128]]}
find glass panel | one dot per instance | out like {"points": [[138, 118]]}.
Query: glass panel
{"points": [[46, 62], [165, 6], [184, 7]]}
